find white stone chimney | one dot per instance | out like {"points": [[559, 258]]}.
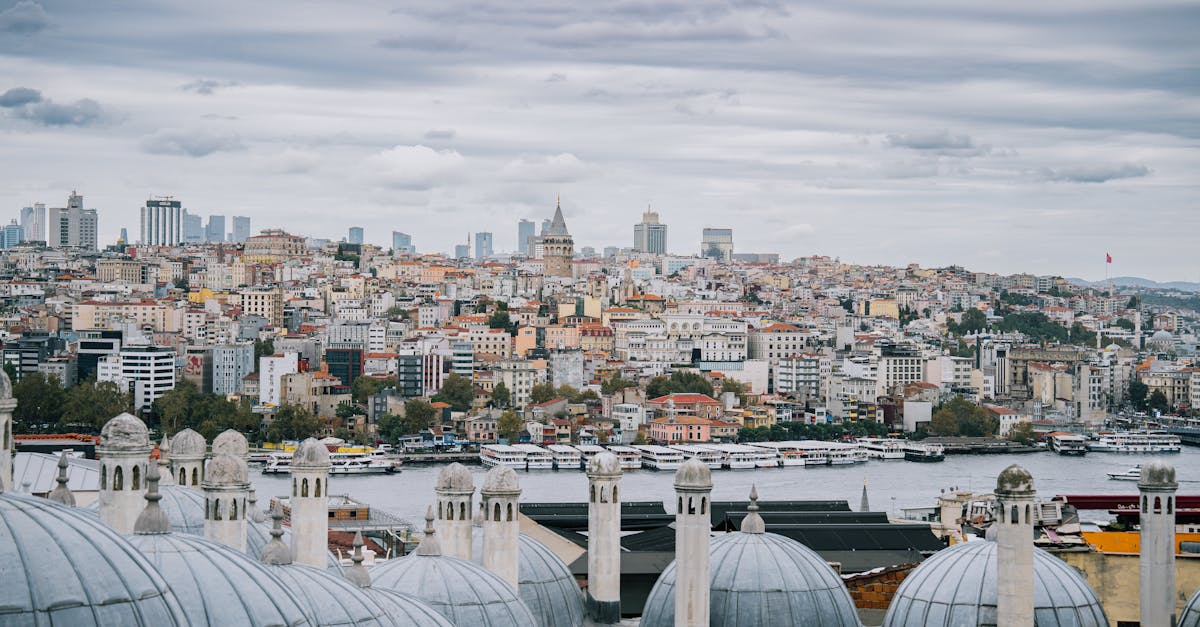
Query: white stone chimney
{"points": [[124, 454], [1014, 550], [501, 532], [226, 488], [310, 504], [7, 405], [693, 526], [455, 490], [604, 538], [188, 450], [1157, 486]]}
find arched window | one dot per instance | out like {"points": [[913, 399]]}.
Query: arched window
{"points": [[691, 505], [318, 490], [496, 515], [703, 505], [449, 511], [1157, 505], [679, 506], [118, 479], [217, 509], [304, 487], [462, 510], [233, 509], [195, 476], [440, 514], [103, 477], [593, 490], [510, 512], [614, 500], [1170, 505], [182, 476], [136, 477], [1015, 518], [603, 494], [1028, 514], [1145, 504]]}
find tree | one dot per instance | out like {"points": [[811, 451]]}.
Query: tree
{"points": [[542, 392], [1138, 392], [457, 391], [346, 410], [586, 396], [174, 408], [614, 384], [568, 392], [419, 415], [390, 427], [962, 417], [365, 387], [973, 321], [39, 399], [501, 396], [658, 386], [1158, 401], [91, 404], [509, 425], [293, 423], [680, 382], [500, 320], [1022, 433]]}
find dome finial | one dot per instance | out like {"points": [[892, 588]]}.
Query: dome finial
{"points": [[277, 552], [61, 493], [358, 574], [753, 523], [429, 544], [152, 519], [164, 451], [256, 514]]}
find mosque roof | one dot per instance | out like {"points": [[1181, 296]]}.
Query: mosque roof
{"points": [[188, 445], [544, 582], [1190, 616]]}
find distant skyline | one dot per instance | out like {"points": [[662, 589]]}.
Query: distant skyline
{"points": [[1014, 137]]}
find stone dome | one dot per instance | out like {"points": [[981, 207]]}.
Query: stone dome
{"points": [[311, 454], [463, 592], [405, 610], [1162, 335], [125, 432], [187, 445], [604, 464], [544, 582], [329, 599], [1014, 479], [761, 579], [501, 479], [233, 589], [693, 473], [1190, 616], [225, 469], [957, 586], [62, 566], [1157, 474], [455, 478], [231, 442]]}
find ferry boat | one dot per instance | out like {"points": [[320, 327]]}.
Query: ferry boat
{"points": [[657, 457], [924, 452], [707, 455], [588, 451], [1136, 442], [630, 458], [1133, 474], [816, 453], [841, 453], [277, 464], [501, 455], [882, 448], [536, 457], [359, 464], [566, 457], [740, 456], [1068, 444], [786, 454]]}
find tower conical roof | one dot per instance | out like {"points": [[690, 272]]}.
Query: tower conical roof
{"points": [[558, 226]]}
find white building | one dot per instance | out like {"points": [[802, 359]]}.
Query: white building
{"points": [[146, 371], [271, 370]]}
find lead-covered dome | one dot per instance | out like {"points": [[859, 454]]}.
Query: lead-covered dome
{"points": [[693, 474], [231, 442], [761, 579], [1190, 616], [124, 432], [501, 480], [957, 586], [455, 478], [604, 464], [330, 599], [544, 582], [311, 454], [188, 445], [61, 566], [225, 469], [405, 610], [463, 592]]}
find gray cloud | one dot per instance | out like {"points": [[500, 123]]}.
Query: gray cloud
{"points": [[1094, 174], [85, 112], [940, 142], [191, 143], [206, 86], [19, 96], [440, 133], [24, 18]]}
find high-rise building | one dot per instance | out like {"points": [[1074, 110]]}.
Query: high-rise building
{"points": [[230, 364], [11, 235], [241, 228], [717, 244], [124, 237], [462, 251], [558, 246], [162, 222], [72, 226], [649, 235], [525, 237], [483, 245], [402, 244], [355, 236], [193, 228], [215, 232], [33, 223]]}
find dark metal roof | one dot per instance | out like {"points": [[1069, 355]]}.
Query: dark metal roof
{"points": [[861, 536], [635, 515], [733, 519], [720, 508]]}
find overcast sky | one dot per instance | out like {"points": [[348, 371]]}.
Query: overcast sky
{"points": [[1006, 136]]}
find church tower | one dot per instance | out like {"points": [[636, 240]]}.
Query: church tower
{"points": [[558, 245]]}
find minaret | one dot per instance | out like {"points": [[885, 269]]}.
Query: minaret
{"points": [[164, 462], [1157, 486], [455, 495], [61, 493], [309, 503], [693, 525], [604, 538], [1014, 550], [188, 449], [124, 454], [501, 532], [225, 491], [7, 405]]}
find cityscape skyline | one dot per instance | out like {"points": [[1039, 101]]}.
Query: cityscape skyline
{"points": [[1010, 145]]}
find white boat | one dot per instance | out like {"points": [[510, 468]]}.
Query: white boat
{"points": [[924, 452], [657, 457], [501, 455], [786, 454], [742, 457], [1069, 444], [706, 455], [882, 448], [841, 453], [1133, 474], [588, 451], [566, 457], [630, 458], [1136, 442], [536, 457], [359, 464], [278, 464]]}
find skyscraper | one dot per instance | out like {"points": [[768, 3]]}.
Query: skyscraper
{"points": [[241, 228], [483, 245], [558, 246], [355, 236], [717, 244], [11, 235], [193, 228], [525, 237], [72, 226], [215, 232], [402, 244], [650, 236], [33, 223], [162, 222], [462, 251]]}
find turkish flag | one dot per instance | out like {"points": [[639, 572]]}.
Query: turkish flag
{"points": [[1107, 258]]}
